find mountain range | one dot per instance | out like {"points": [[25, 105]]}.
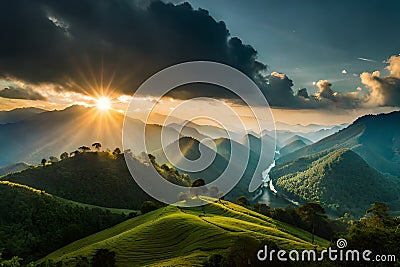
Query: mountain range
{"points": [[376, 138]]}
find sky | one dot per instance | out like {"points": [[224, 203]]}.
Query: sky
{"points": [[324, 62], [313, 40]]}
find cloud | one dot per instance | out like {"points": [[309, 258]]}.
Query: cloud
{"points": [[118, 44], [394, 66], [114, 43], [325, 90], [302, 92], [384, 91], [366, 59], [329, 98], [21, 93]]}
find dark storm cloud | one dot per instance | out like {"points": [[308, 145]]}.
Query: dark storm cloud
{"points": [[21, 93], [81, 45], [71, 42]]}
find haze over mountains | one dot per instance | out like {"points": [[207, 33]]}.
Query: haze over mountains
{"points": [[38, 134], [18, 114]]}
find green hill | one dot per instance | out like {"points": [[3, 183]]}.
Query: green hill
{"points": [[34, 223], [174, 236], [376, 138], [340, 180], [93, 178]]}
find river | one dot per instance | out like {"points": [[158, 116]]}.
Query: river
{"points": [[270, 196]]}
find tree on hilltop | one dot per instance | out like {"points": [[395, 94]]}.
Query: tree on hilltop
{"points": [[97, 146], [84, 148]]}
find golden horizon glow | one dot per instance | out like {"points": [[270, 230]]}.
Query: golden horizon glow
{"points": [[103, 103]]}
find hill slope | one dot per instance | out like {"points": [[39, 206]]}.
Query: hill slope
{"points": [[33, 223], [340, 180], [184, 237], [92, 178], [376, 138]]}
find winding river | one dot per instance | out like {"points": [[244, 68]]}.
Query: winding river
{"points": [[270, 196]]}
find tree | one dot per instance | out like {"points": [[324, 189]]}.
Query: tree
{"points": [[104, 258], [262, 208], [43, 162], [53, 159], [198, 187], [74, 153], [310, 213], [64, 155], [380, 214], [96, 145], [117, 151], [242, 201], [84, 148], [148, 206]]}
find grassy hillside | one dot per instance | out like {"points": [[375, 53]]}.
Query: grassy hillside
{"points": [[374, 137], [93, 178], [340, 180], [34, 223], [174, 236]]}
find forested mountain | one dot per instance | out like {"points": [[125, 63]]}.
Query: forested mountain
{"points": [[376, 138], [97, 178], [33, 223], [340, 180]]}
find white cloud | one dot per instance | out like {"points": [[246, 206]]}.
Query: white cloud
{"points": [[384, 91]]}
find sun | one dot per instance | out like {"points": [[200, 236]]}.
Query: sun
{"points": [[103, 103]]}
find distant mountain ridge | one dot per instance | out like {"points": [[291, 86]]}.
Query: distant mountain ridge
{"points": [[291, 147], [18, 114], [13, 168], [374, 137]]}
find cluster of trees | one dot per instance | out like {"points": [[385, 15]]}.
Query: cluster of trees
{"points": [[81, 149], [310, 217], [378, 231], [93, 178], [34, 223]]}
